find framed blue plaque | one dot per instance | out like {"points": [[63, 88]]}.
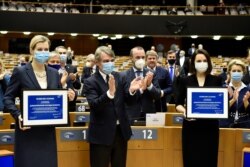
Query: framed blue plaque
{"points": [[207, 103], [45, 107]]}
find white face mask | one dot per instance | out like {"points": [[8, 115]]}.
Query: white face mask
{"points": [[88, 64], [201, 66], [139, 64]]}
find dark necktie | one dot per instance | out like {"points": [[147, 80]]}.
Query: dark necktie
{"points": [[138, 73], [107, 80], [171, 71]]}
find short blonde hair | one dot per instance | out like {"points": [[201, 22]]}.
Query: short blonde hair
{"points": [[90, 57], [236, 62], [151, 53], [38, 39]]}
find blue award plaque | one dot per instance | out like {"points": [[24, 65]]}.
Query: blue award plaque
{"points": [[45, 107], [207, 103]]}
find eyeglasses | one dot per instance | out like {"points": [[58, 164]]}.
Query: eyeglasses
{"points": [[62, 53]]}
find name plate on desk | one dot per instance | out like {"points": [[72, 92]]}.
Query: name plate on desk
{"points": [[80, 107], [144, 134], [177, 119], [74, 135], [246, 137], [82, 118], [45, 107], [7, 138], [207, 103]]}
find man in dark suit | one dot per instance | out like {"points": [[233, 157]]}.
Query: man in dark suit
{"points": [[89, 68], [149, 91], [163, 78], [246, 77], [72, 81], [183, 63], [109, 128], [73, 78], [191, 50]]}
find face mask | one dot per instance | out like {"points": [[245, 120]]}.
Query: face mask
{"points": [[55, 66], [108, 67], [237, 76], [139, 64], [41, 56], [63, 57], [201, 66], [171, 61], [224, 69], [22, 64], [88, 64]]}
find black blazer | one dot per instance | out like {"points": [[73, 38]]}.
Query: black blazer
{"points": [[23, 77], [142, 102], [104, 112], [246, 77], [191, 81], [86, 73], [165, 84], [184, 69]]}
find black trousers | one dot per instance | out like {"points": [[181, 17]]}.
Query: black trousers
{"points": [[115, 154]]}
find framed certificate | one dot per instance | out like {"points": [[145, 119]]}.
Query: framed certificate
{"points": [[207, 103], [45, 107]]}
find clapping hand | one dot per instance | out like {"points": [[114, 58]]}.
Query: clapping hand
{"points": [[136, 84], [246, 97], [20, 120], [71, 94], [111, 84]]}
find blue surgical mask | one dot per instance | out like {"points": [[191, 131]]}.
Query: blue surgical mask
{"points": [[41, 56], [108, 67], [237, 76], [55, 66], [63, 57]]}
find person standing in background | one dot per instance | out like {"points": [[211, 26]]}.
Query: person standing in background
{"points": [[4, 80], [163, 78], [34, 146], [90, 67], [246, 77], [200, 137]]}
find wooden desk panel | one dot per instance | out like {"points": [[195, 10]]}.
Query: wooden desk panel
{"points": [[73, 158], [7, 120]]}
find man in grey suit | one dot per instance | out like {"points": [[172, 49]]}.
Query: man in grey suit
{"points": [[149, 90]]}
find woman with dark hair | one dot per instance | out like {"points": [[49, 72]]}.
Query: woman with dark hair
{"points": [[200, 137]]}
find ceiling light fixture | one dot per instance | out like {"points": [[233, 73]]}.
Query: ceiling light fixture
{"points": [[27, 33], [194, 36], [216, 37], [141, 36], [73, 34], [96, 35], [3, 32], [239, 37], [51, 33]]}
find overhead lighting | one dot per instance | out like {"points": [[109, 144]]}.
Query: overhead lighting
{"points": [[99, 38], [96, 35], [216, 37], [113, 38], [73, 34], [118, 36], [27, 33], [131, 37], [240, 37], [141, 36], [51, 33], [105, 36], [3, 32], [63, 40], [194, 36]]}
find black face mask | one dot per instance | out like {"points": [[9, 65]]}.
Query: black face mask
{"points": [[171, 61], [224, 69]]}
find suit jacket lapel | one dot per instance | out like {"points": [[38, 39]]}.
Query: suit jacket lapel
{"points": [[49, 77], [100, 79], [32, 76]]}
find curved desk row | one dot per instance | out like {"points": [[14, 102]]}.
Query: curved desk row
{"points": [[149, 146]]}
